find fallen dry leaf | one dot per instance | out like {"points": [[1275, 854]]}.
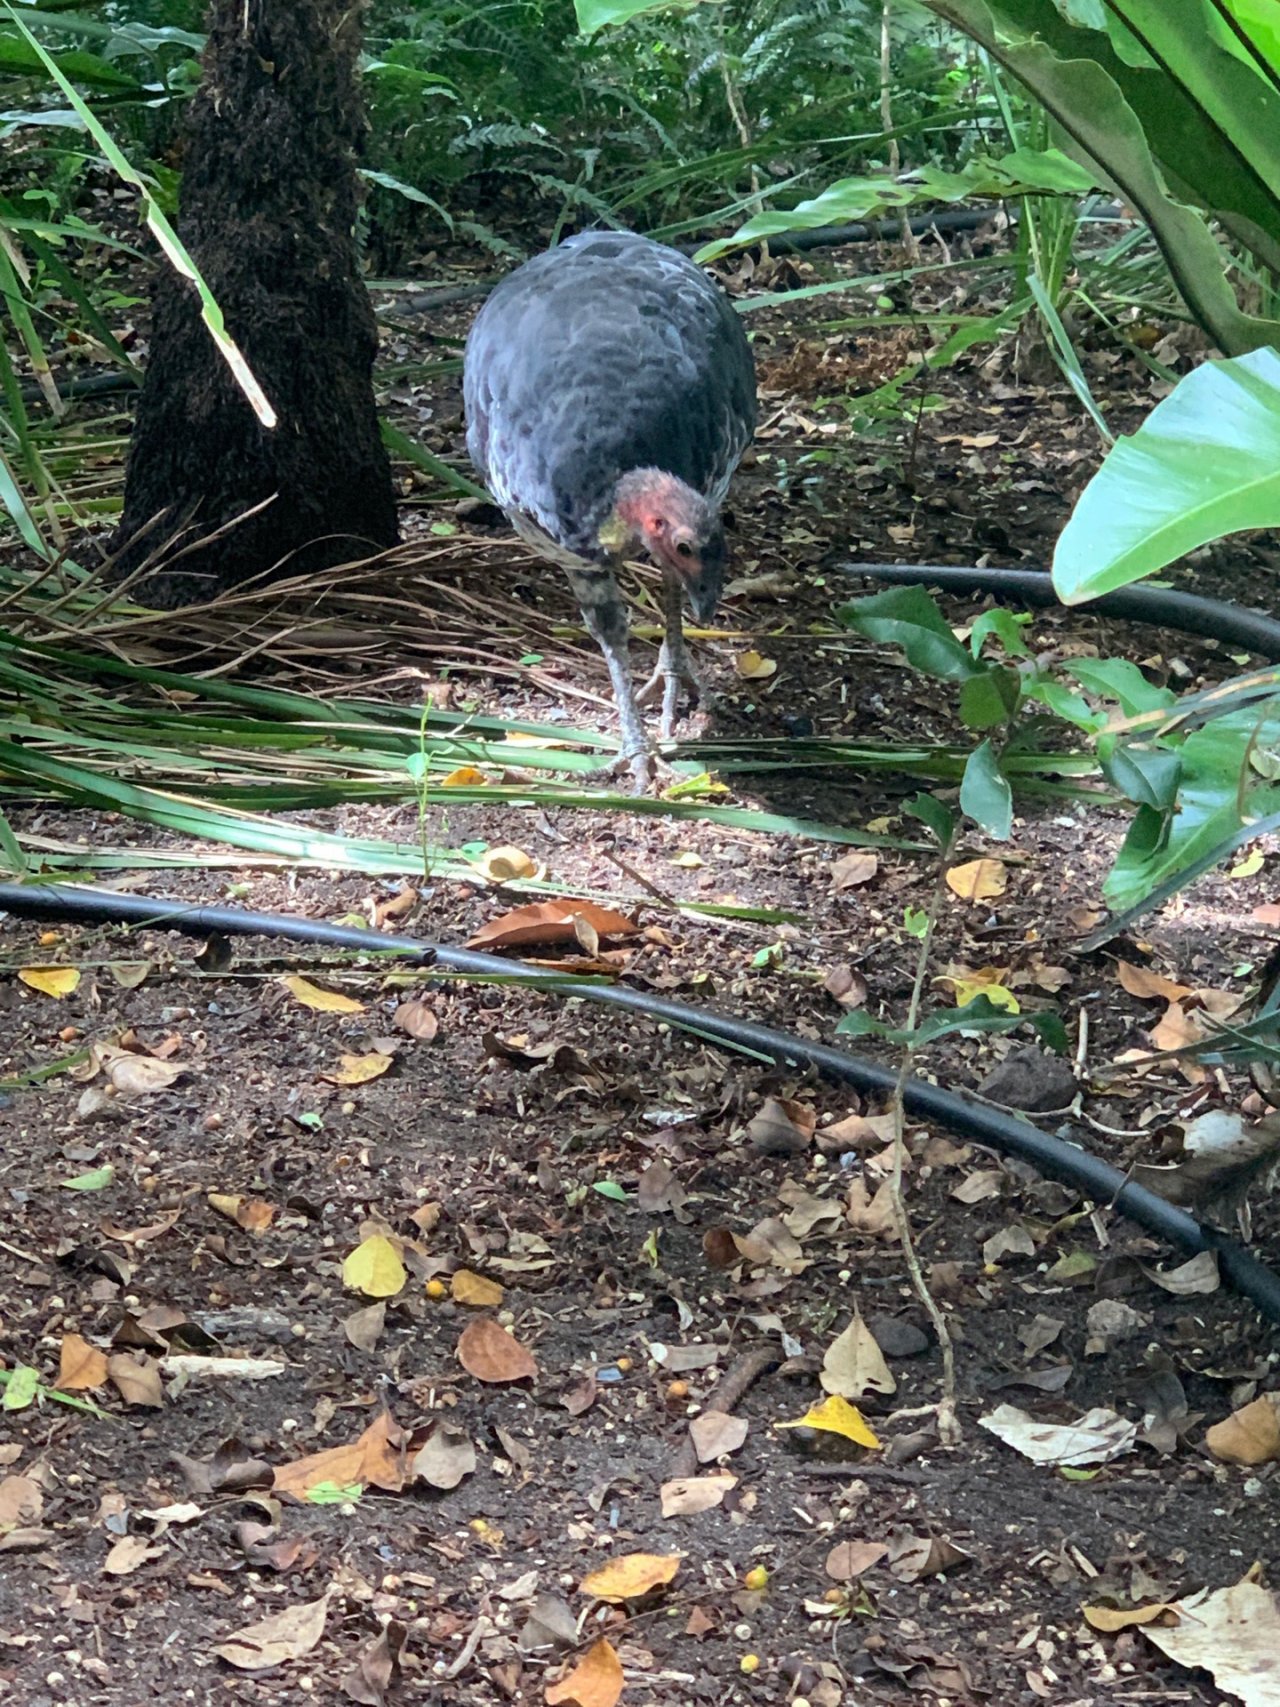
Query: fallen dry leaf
{"points": [[631, 1576], [911, 1557], [854, 1364], [444, 1458], [549, 921], [254, 1214], [81, 1366], [1233, 1634], [475, 1291], [377, 1665], [503, 865], [274, 1641], [714, 1434], [363, 1328], [1109, 1619], [21, 1502], [323, 1001], [1250, 1435], [688, 1494], [1141, 981], [849, 1559], [978, 880], [418, 1018], [358, 1069], [752, 667], [596, 1680], [136, 1381], [376, 1459], [375, 1268], [1094, 1438], [55, 981], [854, 869], [128, 1553], [491, 1354], [835, 1415]]}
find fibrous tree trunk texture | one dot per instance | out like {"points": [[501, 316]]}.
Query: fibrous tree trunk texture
{"points": [[267, 209]]}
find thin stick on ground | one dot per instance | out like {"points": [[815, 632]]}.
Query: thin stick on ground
{"points": [[948, 1422]]}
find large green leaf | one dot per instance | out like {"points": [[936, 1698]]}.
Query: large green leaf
{"points": [[1026, 172], [1205, 462], [1139, 128]]}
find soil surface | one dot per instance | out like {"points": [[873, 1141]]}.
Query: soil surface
{"points": [[547, 1281]]}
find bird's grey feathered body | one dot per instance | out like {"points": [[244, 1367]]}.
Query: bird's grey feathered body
{"points": [[612, 357]]}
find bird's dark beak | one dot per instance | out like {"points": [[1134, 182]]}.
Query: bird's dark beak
{"points": [[704, 586]]}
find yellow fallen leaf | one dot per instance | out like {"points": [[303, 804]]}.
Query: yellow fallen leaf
{"points": [[754, 668], [502, 865], [374, 1268], [1113, 1618], [1250, 1435], [968, 989], [596, 1680], [323, 1001], [466, 776], [358, 1069], [631, 1576], [1249, 866], [978, 880], [474, 1289], [836, 1416], [687, 861], [55, 981]]}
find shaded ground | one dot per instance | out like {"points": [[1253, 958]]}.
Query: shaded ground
{"points": [[482, 1148]]}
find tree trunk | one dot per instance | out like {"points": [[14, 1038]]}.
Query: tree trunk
{"points": [[267, 209]]}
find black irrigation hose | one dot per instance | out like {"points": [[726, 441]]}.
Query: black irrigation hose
{"points": [[1002, 1132], [1214, 619]]}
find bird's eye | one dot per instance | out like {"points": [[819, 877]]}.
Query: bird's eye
{"points": [[684, 549]]}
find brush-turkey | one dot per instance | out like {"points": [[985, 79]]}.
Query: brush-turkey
{"points": [[610, 392]]}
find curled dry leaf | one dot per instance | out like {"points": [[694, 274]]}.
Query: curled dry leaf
{"points": [[273, 1641], [772, 1243], [979, 880], [1094, 1438], [254, 1214], [491, 1354], [781, 1128], [21, 1502], [504, 865], [136, 1380], [754, 667], [377, 1665], [596, 1680], [140, 1075], [376, 1459], [1109, 1619], [418, 1018], [1232, 1633], [914, 1556], [1150, 986], [81, 1366], [549, 921], [128, 1553], [631, 1576], [322, 1001], [688, 1494]]}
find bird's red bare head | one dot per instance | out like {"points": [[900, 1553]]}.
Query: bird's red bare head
{"points": [[659, 513]]}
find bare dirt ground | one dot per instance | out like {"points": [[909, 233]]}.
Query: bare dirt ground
{"points": [[630, 1204]]}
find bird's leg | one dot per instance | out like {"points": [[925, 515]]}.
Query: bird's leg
{"points": [[606, 620], [674, 665]]}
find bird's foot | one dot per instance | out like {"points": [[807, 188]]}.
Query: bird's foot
{"points": [[644, 767], [673, 668]]}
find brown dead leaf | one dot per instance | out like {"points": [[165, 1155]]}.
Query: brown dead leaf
{"points": [[1150, 986], [781, 1128], [772, 1243], [491, 1354], [81, 1366], [1250, 1435], [596, 1680], [418, 1018], [140, 1075], [914, 1556], [854, 869], [363, 1328], [631, 1576], [854, 1364], [273, 1641], [549, 921], [136, 1380], [376, 1459], [1109, 1619], [849, 1559], [128, 1554], [720, 1247], [688, 1494], [444, 1458], [846, 986], [254, 1214], [377, 1666], [21, 1502], [978, 880], [867, 1214], [714, 1434]]}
